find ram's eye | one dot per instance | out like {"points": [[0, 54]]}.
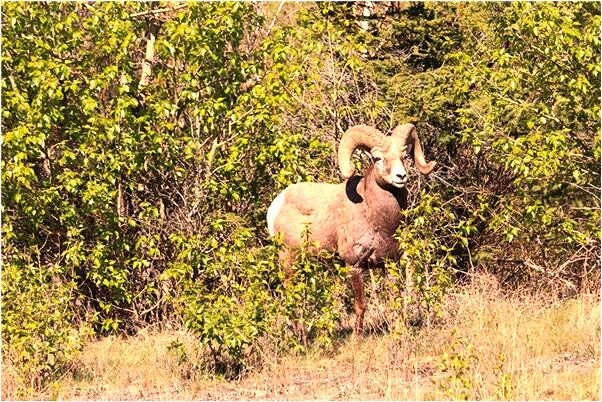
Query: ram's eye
{"points": [[376, 158]]}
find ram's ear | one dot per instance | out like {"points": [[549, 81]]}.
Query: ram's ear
{"points": [[376, 154], [409, 149]]}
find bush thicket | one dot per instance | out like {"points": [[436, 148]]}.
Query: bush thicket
{"points": [[143, 142]]}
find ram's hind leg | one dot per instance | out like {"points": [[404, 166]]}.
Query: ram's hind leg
{"points": [[356, 275]]}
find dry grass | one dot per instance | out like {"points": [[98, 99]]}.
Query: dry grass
{"points": [[542, 349]]}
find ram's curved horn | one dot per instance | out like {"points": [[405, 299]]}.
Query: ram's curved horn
{"points": [[357, 136], [408, 134]]}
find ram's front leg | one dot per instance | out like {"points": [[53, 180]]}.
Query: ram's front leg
{"points": [[356, 275]]}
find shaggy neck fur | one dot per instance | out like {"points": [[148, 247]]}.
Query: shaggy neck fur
{"points": [[383, 202]]}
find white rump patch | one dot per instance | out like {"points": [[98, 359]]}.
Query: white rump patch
{"points": [[273, 212]]}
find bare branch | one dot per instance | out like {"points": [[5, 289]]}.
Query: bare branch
{"points": [[542, 270], [148, 56]]}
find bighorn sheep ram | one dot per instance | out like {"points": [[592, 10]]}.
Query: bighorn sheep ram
{"points": [[357, 218]]}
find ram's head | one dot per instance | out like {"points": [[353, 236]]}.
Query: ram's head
{"points": [[387, 152]]}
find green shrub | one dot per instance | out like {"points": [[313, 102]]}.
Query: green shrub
{"points": [[429, 241], [227, 294], [310, 293], [456, 366], [240, 299], [41, 332]]}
